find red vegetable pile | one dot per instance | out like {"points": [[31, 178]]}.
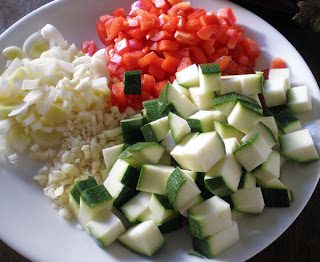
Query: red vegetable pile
{"points": [[160, 37]]}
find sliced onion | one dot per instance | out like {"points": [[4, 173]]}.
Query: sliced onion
{"points": [[5, 126], [34, 96], [19, 110], [30, 84], [53, 36], [14, 65], [50, 99]]}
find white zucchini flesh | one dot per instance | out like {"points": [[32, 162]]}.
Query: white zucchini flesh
{"points": [[281, 73], [299, 146], [217, 243], [201, 153], [299, 99], [243, 118], [202, 99], [179, 127], [253, 152], [248, 200], [231, 84], [231, 144], [110, 155], [153, 178], [188, 77], [144, 238], [274, 92], [184, 210], [169, 142], [209, 217], [270, 169], [106, 231], [270, 122], [136, 206], [264, 131]]}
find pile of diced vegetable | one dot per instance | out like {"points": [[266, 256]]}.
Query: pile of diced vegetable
{"points": [[161, 37], [203, 154]]}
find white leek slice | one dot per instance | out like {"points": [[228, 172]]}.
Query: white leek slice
{"points": [[53, 36], [34, 45]]}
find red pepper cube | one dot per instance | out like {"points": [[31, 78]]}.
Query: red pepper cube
{"points": [[170, 64]]}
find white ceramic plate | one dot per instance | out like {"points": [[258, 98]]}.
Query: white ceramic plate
{"points": [[31, 226]]}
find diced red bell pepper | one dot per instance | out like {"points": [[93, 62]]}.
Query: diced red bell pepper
{"points": [[278, 63], [250, 47], [228, 15], [147, 59], [223, 62], [147, 83], [211, 19], [135, 44], [118, 97], [156, 71], [207, 46], [171, 25], [170, 64], [206, 32], [122, 46], [197, 55], [89, 47], [158, 87], [118, 12], [184, 62], [185, 37], [130, 59], [168, 45], [116, 27], [137, 33]]}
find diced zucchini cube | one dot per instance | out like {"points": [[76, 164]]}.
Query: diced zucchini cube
{"points": [[244, 116], [286, 119], [106, 231], [152, 110], [95, 203], [136, 206], [270, 169], [217, 115], [248, 180], [231, 144], [231, 84], [201, 121], [169, 142], [253, 152], [182, 90], [167, 95], [274, 197], [299, 99], [124, 173], [275, 92], [209, 217], [256, 98], [184, 107], [226, 102], [252, 83], [197, 200], [275, 184], [110, 155], [146, 152], [144, 238], [202, 99], [156, 130], [180, 189], [280, 73], [132, 82], [224, 177], [131, 129], [179, 127], [188, 77], [264, 131], [218, 242], [75, 193], [248, 200], [270, 122], [160, 207], [119, 192], [153, 178], [227, 131], [210, 77], [201, 153], [299, 146]]}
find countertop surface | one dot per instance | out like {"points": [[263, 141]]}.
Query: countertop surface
{"points": [[301, 241]]}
